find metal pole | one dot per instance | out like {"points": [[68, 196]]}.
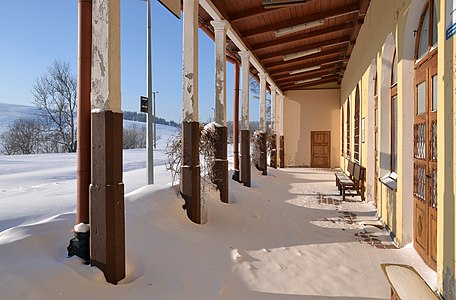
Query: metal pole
{"points": [[155, 123], [150, 133]]}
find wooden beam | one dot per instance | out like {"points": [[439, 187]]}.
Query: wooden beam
{"points": [[308, 84], [339, 40], [363, 7], [304, 19], [285, 71], [306, 75], [295, 38], [282, 65], [259, 11]]}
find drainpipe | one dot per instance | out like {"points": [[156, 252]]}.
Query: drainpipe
{"points": [[84, 131], [236, 120]]}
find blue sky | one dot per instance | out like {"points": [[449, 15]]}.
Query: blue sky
{"points": [[35, 33]]}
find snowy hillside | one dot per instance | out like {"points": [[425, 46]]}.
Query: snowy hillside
{"points": [[10, 112]]}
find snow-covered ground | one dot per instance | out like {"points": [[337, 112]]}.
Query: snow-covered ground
{"points": [[287, 237]]}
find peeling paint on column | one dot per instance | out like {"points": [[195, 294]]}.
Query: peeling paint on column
{"points": [[262, 102], [190, 62], [220, 71], [273, 109], [105, 93], [245, 56], [282, 99]]}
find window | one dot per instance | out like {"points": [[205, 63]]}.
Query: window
{"points": [[357, 125], [394, 115], [427, 31], [348, 128]]}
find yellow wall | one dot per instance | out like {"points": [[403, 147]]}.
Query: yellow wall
{"points": [[390, 25], [306, 111]]}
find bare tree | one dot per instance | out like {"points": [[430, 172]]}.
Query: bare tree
{"points": [[55, 96], [134, 137], [25, 135]]}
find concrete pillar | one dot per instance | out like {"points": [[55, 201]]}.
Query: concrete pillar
{"points": [[273, 140], [245, 121], [84, 130], [190, 183], [107, 218], [281, 134], [221, 161], [261, 164]]}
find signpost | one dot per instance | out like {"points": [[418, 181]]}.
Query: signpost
{"points": [[143, 104]]}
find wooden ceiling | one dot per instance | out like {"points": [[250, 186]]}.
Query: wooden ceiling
{"points": [[338, 24]]}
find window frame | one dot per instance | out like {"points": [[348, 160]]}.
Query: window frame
{"points": [[393, 116]]}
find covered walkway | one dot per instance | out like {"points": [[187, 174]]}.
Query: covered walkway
{"points": [[286, 237]]}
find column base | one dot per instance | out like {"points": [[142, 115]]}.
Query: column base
{"points": [[245, 158], [263, 163], [282, 151], [107, 208], [221, 163], [190, 181], [273, 153]]}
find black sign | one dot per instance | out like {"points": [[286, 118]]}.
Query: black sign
{"points": [[144, 103]]}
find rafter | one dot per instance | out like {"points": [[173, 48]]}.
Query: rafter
{"points": [[286, 71], [309, 35], [326, 53], [321, 15], [259, 11], [309, 84], [307, 75], [327, 43]]}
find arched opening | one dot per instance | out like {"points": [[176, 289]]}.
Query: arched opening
{"points": [[357, 126], [376, 137], [425, 137]]}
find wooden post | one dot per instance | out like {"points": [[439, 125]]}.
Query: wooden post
{"points": [[107, 220], [245, 122], [281, 133], [221, 139], [190, 184], [273, 154], [263, 130]]}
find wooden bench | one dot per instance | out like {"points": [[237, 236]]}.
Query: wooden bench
{"points": [[352, 182], [343, 176], [406, 283]]}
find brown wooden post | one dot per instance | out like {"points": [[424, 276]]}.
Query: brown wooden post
{"points": [[84, 131], [107, 221], [282, 151]]}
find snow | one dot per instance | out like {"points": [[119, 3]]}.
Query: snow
{"points": [[81, 227], [287, 237]]}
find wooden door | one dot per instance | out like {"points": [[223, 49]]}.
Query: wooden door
{"points": [[425, 161], [320, 149]]}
